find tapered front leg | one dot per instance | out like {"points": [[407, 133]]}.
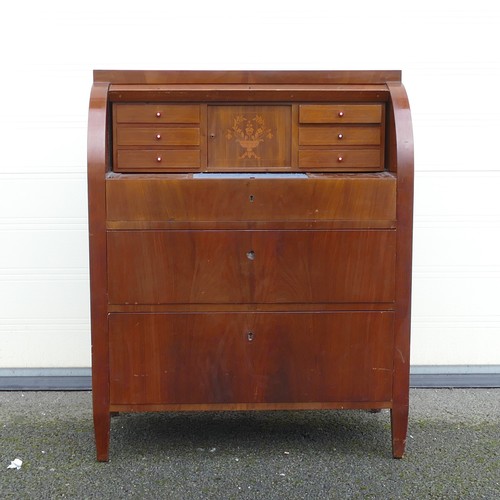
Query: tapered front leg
{"points": [[399, 428], [101, 429]]}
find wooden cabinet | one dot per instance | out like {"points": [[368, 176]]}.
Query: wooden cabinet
{"points": [[250, 242]]}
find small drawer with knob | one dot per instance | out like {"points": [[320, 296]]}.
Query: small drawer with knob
{"points": [[340, 113], [157, 113], [342, 136], [157, 160], [364, 160], [158, 136]]}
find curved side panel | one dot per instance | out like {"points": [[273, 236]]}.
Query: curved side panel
{"points": [[97, 165], [400, 142]]}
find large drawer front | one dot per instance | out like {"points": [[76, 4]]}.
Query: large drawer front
{"points": [[250, 357], [359, 198], [236, 267]]}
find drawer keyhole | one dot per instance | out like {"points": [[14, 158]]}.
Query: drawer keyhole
{"points": [[250, 336], [251, 255]]}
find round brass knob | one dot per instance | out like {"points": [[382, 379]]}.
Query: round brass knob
{"points": [[341, 114], [158, 114], [158, 136], [340, 159], [340, 136], [158, 159]]}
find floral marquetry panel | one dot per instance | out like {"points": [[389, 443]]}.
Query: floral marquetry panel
{"points": [[249, 137]]}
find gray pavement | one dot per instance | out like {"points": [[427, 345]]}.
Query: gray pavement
{"points": [[453, 451]]}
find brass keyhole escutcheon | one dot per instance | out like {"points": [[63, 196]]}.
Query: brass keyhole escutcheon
{"points": [[251, 255], [250, 336]]}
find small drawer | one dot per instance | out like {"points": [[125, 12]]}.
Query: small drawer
{"points": [[157, 113], [363, 160], [157, 160], [157, 136], [340, 113], [338, 136]]}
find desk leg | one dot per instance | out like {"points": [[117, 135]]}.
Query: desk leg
{"points": [[101, 430], [399, 427]]}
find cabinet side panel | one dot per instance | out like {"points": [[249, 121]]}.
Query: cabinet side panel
{"points": [[98, 164], [400, 142]]}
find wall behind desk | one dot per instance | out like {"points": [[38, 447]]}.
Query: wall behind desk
{"points": [[451, 69]]}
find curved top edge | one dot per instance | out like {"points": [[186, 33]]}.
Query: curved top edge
{"points": [[402, 112], [96, 132], [251, 77], [403, 129]]}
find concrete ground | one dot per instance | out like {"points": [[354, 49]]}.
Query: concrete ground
{"points": [[453, 451]]}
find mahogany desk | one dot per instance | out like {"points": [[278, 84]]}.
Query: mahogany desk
{"points": [[250, 242]]}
